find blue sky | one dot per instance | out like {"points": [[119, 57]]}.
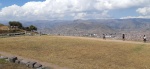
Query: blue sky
{"points": [[5, 3], [124, 12], [73, 9]]}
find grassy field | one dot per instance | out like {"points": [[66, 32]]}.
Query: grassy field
{"points": [[80, 53]]}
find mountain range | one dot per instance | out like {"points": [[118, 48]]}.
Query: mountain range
{"points": [[93, 26], [90, 26]]}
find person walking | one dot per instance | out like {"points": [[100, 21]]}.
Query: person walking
{"points": [[104, 37], [144, 38], [123, 37]]}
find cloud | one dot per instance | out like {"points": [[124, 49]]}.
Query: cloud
{"points": [[64, 9], [144, 10], [117, 4], [131, 17], [145, 13]]}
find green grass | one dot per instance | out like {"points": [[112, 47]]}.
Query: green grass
{"points": [[2, 61], [7, 65], [80, 53]]}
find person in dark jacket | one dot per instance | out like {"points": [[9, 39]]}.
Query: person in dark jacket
{"points": [[123, 37], [104, 37]]}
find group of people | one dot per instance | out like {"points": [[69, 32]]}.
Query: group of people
{"points": [[123, 37]]}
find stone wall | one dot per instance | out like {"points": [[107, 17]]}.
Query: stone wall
{"points": [[30, 64]]}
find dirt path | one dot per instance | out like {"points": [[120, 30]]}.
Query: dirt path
{"points": [[27, 59]]}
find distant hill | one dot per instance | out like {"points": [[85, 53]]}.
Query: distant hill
{"points": [[6, 29], [91, 26], [132, 27], [79, 27], [3, 28]]}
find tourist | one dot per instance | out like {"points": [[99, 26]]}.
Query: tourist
{"points": [[104, 36], [144, 38], [123, 37]]}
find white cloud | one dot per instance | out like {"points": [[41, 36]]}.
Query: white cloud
{"points": [[117, 4], [145, 13], [130, 17], [144, 10], [63, 9]]}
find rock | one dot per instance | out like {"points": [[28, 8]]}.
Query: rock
{"points": [[13, 59], [31, 64], [3, 57], [7, 60], [37, 65], [18, 61], [24, 62]]}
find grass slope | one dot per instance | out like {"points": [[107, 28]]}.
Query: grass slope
{"points": [[80, 53]]}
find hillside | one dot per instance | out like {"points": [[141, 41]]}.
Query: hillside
{"points": [[89, 26], [133, 28], [79, 52], [81, 28], [3, 28]]}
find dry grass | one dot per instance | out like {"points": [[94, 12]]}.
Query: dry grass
{"points": [[80, 53], [4, 27]]}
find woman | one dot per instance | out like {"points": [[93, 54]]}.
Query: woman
{"points": [[144, 38]]}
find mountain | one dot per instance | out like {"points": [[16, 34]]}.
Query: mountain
{"points": [[132, 27], [68, 27], [91, 26]]}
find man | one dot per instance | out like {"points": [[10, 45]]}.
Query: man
{"points": [[104, 36], [123, 37]]}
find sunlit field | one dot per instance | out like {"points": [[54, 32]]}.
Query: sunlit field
{"points": [[80, 52]]}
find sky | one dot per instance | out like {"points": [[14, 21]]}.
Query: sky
{"points": [[30, 10]]}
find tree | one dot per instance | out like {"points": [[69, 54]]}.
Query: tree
{"points": [[27, 28], [33, 28], [16, 23]]}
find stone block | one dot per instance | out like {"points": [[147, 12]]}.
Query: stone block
{"points": [[18, 61], [13, 59], [37, 65], [3, 57], [24, 62], [31, 64]]}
